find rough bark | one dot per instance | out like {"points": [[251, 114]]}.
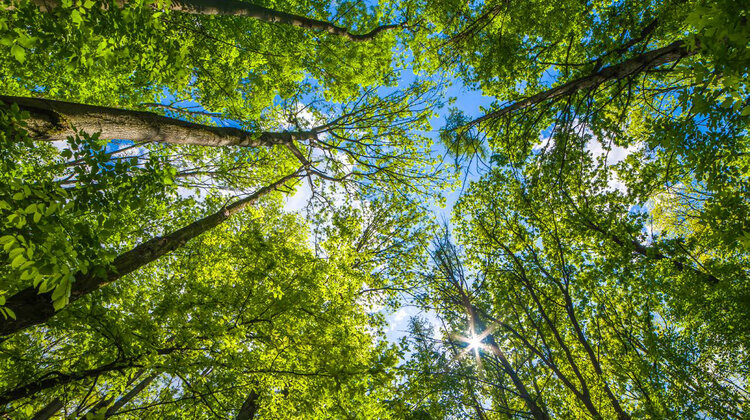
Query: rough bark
{"points": [[56, 120], [32, 308], [650, 59], [249, 10]]}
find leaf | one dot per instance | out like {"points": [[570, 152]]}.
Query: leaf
{"points": [[19, 53], [60, 291], [75, 16], [10, 313], [59, 303], [26, 41], [20, 259]]}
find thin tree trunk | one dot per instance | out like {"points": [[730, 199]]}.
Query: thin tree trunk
{"points": [[523, 392], [249, 10], [108, 400], [111, 411], [629, 67], [648, 252], [52, 381], [33, 308], [55, 120], [249, 407], [49, 410]]}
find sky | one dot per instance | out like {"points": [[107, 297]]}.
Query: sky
{"points": [[471, 102]]}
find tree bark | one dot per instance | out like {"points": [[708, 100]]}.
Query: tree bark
{"points": [[249, 407], [107, 400], [523, 392], [51, 381], [111, 411], [32, 308], [672, 52], [49, 410], [56, 120], [249, 10]]}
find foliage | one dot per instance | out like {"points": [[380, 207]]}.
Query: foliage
{"points": [[596, 264]]}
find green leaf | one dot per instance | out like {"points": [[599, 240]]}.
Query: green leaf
{"points": [[19, 53], [59, 303], [60, 291], [18, 260], [10, 313], [75, 16]]}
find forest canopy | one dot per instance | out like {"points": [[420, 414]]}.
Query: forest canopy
{"points": [[396, 209]]}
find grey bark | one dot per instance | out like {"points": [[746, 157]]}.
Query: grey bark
{"points": [[111, 411], [56, 120]]}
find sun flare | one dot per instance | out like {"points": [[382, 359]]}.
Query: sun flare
{"points": [[475, 342]]}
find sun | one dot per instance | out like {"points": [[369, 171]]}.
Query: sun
{"points": [[475, 342]]}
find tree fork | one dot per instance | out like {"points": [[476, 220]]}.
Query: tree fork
{"points": [[33, 308]]}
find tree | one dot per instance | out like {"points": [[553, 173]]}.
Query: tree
{"points": [[276, 322], [151, 268]]}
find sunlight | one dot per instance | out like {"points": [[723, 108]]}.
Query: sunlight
{"points": [[475, 342]]}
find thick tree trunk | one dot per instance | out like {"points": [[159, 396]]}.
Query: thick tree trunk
{"points": [[627, 68], [249, 10], [56, 120], [32, 308]]}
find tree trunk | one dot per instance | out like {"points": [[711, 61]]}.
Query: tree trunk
{"points": [[249, 407], [111, 411], [630, 67], [32, 308], [106, 401], [55, 120], [51, 381], [49, 410], [523, 392], [249, 10]]}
